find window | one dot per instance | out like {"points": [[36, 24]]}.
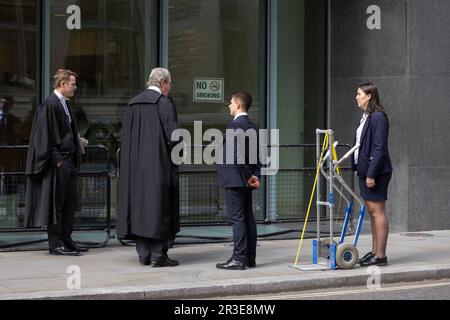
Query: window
{"points": [[217, 39], [18, 59], [112, 51]]}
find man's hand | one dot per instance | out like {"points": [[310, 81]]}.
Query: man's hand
{"points": [[84, 142], [253, 182], [59, 164]]}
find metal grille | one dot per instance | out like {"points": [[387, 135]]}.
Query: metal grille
{"points": [[12, 200], [94, 185], [290, 192], [203, 202]]}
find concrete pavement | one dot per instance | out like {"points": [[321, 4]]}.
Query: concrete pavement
{"points": [[114, 273]]}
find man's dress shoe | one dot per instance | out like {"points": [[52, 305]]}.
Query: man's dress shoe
{"points": [[251, 263], [63, 251], [74, 247], [165, 263], [231, 265], [144, 261], [375, 261]]}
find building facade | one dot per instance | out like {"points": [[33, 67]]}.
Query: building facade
{"points": [[408, 59], [300, 59]]}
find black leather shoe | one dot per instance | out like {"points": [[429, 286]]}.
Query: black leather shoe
{"points": [[74, 247], [144, 261], [250, 263], [231, 265], [226, 262], [175, 262], [375, 261], [63, 251], [165, 263], [366, 257]]}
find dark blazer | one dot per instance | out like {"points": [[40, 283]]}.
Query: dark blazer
{"points": [[236, 175], [8, 131], [373, 158]]}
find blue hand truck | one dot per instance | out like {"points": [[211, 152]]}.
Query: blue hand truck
{"points": [[327, 253]]}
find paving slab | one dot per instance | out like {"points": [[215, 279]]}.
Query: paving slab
{"points": [[113, 272]]}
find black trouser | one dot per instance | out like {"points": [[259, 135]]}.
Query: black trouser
{"points": [[151, 249], [240, 211], [65, 204]]}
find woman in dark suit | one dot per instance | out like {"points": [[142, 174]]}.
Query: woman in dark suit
{"points": [[374, 169]]}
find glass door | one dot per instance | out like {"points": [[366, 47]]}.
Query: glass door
{"points": [[215, 47], [297, 100]]}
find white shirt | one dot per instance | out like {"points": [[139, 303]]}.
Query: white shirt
{"points": [[2, 115], [240, 115], [63, 102], [362, 123], [155, 88]]}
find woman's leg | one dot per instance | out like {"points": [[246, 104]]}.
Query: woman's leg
{"points": [[374, 234], [380, 224]]}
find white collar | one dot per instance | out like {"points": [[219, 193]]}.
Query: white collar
{"points": [[240, 115], [59, 95], [364, 117], [155, 88]]}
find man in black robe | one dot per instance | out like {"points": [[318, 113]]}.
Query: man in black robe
{"points": [[148, 204], [51, 195]]}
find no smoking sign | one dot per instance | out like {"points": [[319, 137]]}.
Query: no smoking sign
{"points": [[208, 90]]}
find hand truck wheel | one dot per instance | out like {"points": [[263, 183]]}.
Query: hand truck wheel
{"points": [[346, 256]]}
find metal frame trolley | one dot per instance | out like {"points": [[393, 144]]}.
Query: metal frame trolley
{"points": [[328, 253]]}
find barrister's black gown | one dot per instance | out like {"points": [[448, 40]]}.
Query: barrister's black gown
{"points": [[148, 204], [51, 134]]}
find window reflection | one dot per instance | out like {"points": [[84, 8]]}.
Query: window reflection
{"points": [[18, 58], [110, 55], [18, 53], [213, 39]]}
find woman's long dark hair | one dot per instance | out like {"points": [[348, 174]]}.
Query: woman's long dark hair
{"points": [[374, 102]]}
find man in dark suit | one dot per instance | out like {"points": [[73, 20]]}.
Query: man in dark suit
{"points": [[51, 196], [240, 178], [9, 123]]}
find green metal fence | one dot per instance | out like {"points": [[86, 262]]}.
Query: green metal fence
{"points": [[282, 198]]}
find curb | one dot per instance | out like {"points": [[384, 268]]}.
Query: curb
{"points": [[238, 287]]}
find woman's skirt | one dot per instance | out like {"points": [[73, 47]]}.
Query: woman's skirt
{"points": [[379, 192]]}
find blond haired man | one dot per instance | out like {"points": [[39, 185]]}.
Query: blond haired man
{"points": [[51, 196]]}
